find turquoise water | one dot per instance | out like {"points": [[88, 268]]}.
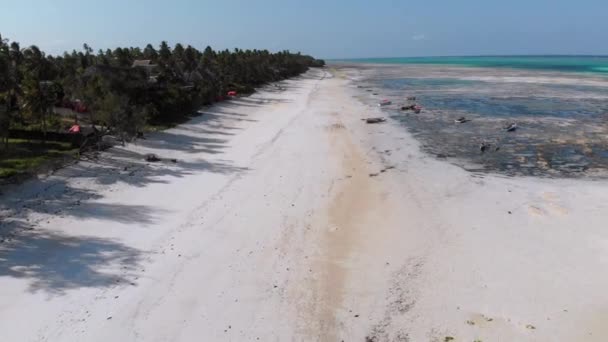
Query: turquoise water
{"points": [[586, 64]]}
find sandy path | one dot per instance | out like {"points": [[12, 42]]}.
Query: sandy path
{"points": [[287, 218]]}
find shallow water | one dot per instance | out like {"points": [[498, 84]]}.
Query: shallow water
{"points": [[562, 117]]}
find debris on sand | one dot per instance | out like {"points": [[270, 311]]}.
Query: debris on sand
{"points": [[461, 119], [152, 158], [386, 169], [410, 107], [174, 161], [510, 127], [411, 98], [374, 120], [384, 103], [484, 146]]}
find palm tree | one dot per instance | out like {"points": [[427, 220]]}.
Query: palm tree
{"points": [[5, 98], [38, 100], [186, 78]]}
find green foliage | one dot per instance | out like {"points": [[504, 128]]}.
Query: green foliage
{"points": [[5, 85], [123, 97], [26, 156]]}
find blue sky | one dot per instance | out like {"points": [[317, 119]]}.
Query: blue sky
{"points": [[326, 29]]}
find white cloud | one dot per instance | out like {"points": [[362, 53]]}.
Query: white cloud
{"points": [[419, 37]]}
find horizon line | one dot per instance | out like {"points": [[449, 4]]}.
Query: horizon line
{"points": [[469, 56]]}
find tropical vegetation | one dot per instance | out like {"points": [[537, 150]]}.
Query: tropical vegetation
{"points": [[125, 90]]}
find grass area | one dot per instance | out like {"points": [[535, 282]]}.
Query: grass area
{"points": [[26, 157], [161, 126]]}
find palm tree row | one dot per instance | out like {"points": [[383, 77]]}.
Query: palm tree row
{"points": [[126, 88]]}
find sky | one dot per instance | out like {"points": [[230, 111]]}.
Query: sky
{"points": [[323, 28]]}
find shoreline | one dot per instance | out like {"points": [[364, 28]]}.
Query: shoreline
{"points": [[485, 268], [544, 145], [286, 217]]}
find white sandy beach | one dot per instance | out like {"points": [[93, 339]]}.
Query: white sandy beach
{"points": [[287, 218]]}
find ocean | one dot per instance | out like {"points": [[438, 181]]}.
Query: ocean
{"points": [[582, 64], [560, 105]]}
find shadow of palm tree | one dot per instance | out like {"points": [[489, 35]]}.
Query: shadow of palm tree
{"points": [[54, 262], [179, 140], [129, 167], [197, 130]]}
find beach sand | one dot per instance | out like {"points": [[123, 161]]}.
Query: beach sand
{"points": [[286, 218]]}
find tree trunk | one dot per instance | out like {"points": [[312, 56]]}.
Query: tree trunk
{"points": [[44, 126], [7, 125]]}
